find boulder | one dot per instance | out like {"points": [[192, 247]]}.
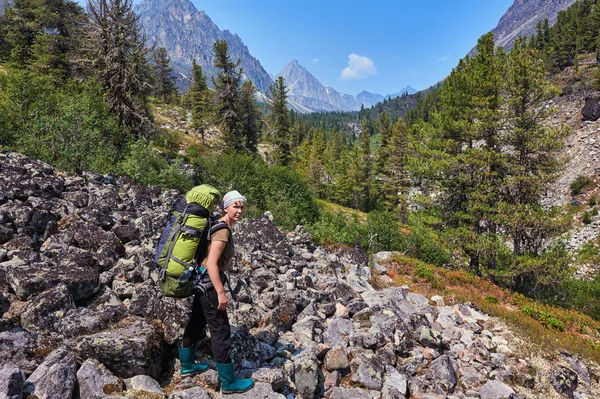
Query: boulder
{"points": [[34, 278], [42, 312], [130, 348], [349, 393], [144, 384], [96, 381], [367, 369], [496, 390], [336, 359], [564, 380], [260, 390], [191, 393], [19, 348], [11, 383], [246, 350], [306, 374], [54, 378], [591, 110]]}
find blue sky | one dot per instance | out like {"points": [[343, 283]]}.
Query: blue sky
{"points": [[351, 45]]}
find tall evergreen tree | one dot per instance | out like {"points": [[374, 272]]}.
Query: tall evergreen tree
{"points": [[227, 88], [533, 161], [365, 171], [199, 100], [250, 116], [395, 181], [163, 72], [119, 57], [280, 121]]}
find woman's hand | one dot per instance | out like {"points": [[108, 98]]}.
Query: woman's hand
{"points": [[223, 301]]}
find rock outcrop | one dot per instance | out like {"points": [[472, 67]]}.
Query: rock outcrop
{"points": [[83, 317]]}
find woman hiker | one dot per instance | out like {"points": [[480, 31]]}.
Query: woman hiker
{"points": [[211, 309]]}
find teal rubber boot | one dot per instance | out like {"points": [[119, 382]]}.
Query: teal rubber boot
{"points": [[187, 358], [230, 384]]}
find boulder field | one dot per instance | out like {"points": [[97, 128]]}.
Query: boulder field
{"points": [[83, 318]]}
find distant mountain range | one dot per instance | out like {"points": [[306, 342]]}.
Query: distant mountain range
{"points": [[189, 34]]}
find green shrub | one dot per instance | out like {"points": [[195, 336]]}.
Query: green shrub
{"points": [[146, 166], [544, 317], [587, 218], [166, 140], [491, 299], [69, 127], [592, 201], [594, 211], [339, 228], [276, 189], [579, 183], [583, 295]]}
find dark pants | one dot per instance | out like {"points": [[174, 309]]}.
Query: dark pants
{"points": [[204, 312]]}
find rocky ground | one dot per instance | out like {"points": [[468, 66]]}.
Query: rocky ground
{"points": [[83, 317]]}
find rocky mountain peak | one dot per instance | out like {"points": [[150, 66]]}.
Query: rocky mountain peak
{"points": [[189, 34]]}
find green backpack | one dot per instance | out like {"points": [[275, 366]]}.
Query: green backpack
{"points": [[184, 239]]}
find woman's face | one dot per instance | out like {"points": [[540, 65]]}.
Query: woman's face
{"points": [[234, 211]]}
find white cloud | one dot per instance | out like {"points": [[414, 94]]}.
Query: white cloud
{"points": [[444, 58], [359, 67], [316, 61]]}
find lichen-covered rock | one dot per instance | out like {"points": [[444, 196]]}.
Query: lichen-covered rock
{"points": [[444, 373], [191, 393], [126, 233], [96, 381], [564, 381], [85, 321], [132, 347], [350, 393], [246, 350], [42, 312], [18, 347], [338, 331], [367, 369], [11, 383], [496, 390], [54, 378], [34, 278], [275, 377], [145, 384], [306, 375], [260, 390]]}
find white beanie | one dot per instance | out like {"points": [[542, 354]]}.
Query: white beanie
{"points": [[231, 197]]}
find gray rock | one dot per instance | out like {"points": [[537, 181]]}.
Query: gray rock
{"points": [[18, 347], [260, 390], [54, 378], [577, 366], [397, 381], [123, 289], [42, 312], [306, 375], [126, 233], [430, 338], [144, 384], [275, 377], [338, 331], [132, 348], [191, 393], [210, 379], [282, 317], [495, 390], [564, 381], [85, 321], [444, 373], [381, 258], [96, 381], [38, 277], [591, 110], [11, 383], [349, 393], [246, 350], [367, 369]]}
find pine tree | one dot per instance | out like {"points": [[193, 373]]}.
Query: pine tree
{"points": [[165, 84], [364, 172], [43, 36], [395, 181], [533, 161], [250, 116], [120, 59], [199, 100], [227, 88], [280, 122]]}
